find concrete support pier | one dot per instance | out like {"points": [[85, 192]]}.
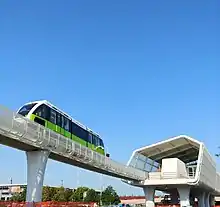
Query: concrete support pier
{"points": [[207, 203], [201, 199], [212, 200], [184, 193], [174, 196], [36, 165], [149, 193]]}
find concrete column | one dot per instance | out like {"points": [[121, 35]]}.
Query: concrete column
{"points": [[201, 199], [149, 196], [192, 199], [195, 198], [174, 196], [212, 200], [36, 165], [184, 192], [207, 204]]}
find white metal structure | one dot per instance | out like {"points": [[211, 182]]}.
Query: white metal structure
{"points": [[41, 143], [180, 163]]}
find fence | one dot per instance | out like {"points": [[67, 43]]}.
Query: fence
{"points": [[47, 204], [70, 204]]}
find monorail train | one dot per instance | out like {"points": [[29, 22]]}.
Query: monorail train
{"points": [[46, 114]]}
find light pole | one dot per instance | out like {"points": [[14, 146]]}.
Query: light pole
{"points": [[101, 188], [77, 177], [10, 193]]}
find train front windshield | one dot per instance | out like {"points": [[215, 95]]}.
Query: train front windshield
{"points": [[25, 109]]}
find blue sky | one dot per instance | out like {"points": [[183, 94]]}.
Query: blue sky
{"points": [[137, 73]]}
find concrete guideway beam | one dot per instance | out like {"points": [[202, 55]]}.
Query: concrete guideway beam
{"points": [[36, 165], [149, 193]]}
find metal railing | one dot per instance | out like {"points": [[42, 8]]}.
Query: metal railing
{"points": [[26, 131], [191, 172]]}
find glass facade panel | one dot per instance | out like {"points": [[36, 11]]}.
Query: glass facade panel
{"points": [[148, 167], [154, 169], [140, 164], [144, 163], [142, 157], [133, 162]]}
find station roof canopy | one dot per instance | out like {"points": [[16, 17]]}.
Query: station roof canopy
{"points": [[183, 147]]}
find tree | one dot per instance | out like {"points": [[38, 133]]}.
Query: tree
{"points": [[92, 196], [20, 196], [110, 197], [59, 195], [17, 197], [68, 194], [78, 194], [48, 193], [56, 194]]}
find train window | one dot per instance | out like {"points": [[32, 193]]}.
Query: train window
{"points": [[66, 124], [79, 132], [41, 111], [26, 109], [89, 138], [95, 140], [74, 129], [84, 134], [58, 119], [101, 143], [47, 112], [62, 121], [39, 121], [53, 116]]}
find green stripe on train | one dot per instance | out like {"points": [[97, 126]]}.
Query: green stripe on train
{"points": [[67, 134]]}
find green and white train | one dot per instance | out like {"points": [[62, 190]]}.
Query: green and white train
{"points": [[46, 114]]}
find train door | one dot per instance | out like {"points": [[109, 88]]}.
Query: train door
{"points": [[51, 124]]}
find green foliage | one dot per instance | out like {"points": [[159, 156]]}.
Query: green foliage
{"points": [[19, 196], [48, 193], [110, 197], [59, 195], [92, 196], [68, 194], [78, 194]]}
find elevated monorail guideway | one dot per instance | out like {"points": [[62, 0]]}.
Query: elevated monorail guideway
{"points": [[41, 143]]}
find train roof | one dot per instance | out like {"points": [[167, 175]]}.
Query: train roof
{"points": [[63, 113]]}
